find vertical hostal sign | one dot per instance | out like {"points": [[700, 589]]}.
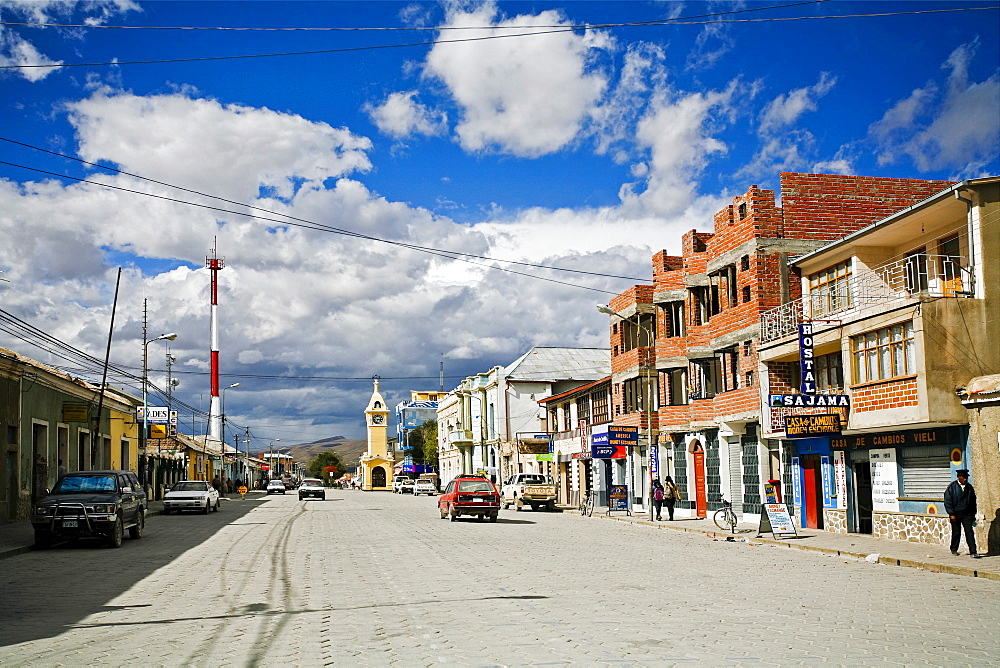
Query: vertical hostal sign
{"points": [[806, 360]]}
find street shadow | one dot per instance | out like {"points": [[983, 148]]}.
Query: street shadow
{"points": [[47, 592]]}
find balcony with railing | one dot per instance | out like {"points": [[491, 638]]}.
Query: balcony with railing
{"points": [[915, 276]]}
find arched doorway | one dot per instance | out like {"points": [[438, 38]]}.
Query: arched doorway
{"points": [[378, 477], [700, 493]]}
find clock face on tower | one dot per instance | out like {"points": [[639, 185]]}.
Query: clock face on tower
{"points": [[378, 419]]}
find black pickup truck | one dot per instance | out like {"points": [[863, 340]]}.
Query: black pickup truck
{"points": [[91, 504]]}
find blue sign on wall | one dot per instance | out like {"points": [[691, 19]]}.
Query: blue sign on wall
{"points": [[608, 452]]}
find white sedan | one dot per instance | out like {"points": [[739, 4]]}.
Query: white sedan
{"points": [[191, 495]]}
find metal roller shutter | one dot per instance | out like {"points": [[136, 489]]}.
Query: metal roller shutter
{"points": [[926, 471]]}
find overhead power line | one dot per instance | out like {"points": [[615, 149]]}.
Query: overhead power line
{"points": [[289, 217], [532, 33], [289, 221]]}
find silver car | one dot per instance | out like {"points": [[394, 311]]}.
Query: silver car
{"points": [[191, 495]]}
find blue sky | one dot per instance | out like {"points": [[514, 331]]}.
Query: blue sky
{"points": [[588, 149]]}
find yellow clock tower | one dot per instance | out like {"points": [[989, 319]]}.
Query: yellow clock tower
{"points": [[376, 465]]}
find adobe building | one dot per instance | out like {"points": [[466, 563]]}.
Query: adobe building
{"points": [[693, 335]]}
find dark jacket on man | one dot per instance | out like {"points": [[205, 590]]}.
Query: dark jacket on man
{"points": [[959, 502]]}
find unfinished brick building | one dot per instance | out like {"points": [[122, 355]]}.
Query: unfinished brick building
{"points": [[690, 340]]}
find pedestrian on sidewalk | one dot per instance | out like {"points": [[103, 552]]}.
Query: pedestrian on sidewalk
{"points": [[658, 495], [671, 495], [960, 504]]}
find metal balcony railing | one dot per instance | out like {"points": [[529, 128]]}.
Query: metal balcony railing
{"points": [[913, 276]]}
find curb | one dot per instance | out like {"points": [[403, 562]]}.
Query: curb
{"points": [[887, 560]]}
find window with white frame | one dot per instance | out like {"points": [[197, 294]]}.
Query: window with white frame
{"points": [[884, 353]]}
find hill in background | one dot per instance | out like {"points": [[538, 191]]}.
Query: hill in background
{"points": [[348, 449]]}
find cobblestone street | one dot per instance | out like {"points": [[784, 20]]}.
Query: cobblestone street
{"points": [[379, 579]]}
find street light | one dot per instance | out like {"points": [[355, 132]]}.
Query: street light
{"points": [[648, 403], [223, 453], [145, 381], [270, 473]]}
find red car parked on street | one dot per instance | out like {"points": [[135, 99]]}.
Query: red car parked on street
{"points": [[470, 495]]}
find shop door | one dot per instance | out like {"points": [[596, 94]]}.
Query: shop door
{"points": [[812, 491], [378, 477], [863, 496], [700, 496]]}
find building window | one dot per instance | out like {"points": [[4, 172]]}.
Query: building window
{"points": [[583, 409], [673, 318], [599, 408], [829, 372], [830, 289], [747, 347], [704, 378], [745, 263], [637, 394], [884, 353], [749, 379], [730, 365], [746, 293], [731, 291], [674, 385], [705, 303], [742, 210]]}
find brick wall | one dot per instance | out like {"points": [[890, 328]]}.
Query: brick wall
{"points": [[829, 206], [813, 207], [884, 395]]}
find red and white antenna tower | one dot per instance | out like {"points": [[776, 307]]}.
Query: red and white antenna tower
{"points": [[214, 264]]}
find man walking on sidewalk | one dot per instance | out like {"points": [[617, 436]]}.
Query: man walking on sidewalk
{"points": [[960, 504]]}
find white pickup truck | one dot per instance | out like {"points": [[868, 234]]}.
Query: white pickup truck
{"points": [[529, 489]]}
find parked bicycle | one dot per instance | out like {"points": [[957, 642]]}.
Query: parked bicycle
{"points": [[587, 504], [725, 517]]}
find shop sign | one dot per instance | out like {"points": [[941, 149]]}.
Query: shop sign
{"points": [[582, 455], [154, 414], [806, 360], [808, 426], [533, 447], [617, 497], [654, 462], [893, 439], [808, 400], [608, 452], [840, 477], [885, 480], [824, 463], [616, 435], [779, 520], [75, 412], [544, 458]]}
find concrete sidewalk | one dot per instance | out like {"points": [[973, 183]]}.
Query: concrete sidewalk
{"points": [[923, 556], [19, 537]]}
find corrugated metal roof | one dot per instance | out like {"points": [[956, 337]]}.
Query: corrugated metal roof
{"points": [[552, 364]]}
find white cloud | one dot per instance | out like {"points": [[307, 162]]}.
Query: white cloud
{"points": [[401, 116], [948, 125], [783, 146], [16, 49], [643, 71], [677, 129], [189, 142], [528, 96], [785, 110], [715, 39]]}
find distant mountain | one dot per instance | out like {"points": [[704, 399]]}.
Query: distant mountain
{"points": [[348, 449]]}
